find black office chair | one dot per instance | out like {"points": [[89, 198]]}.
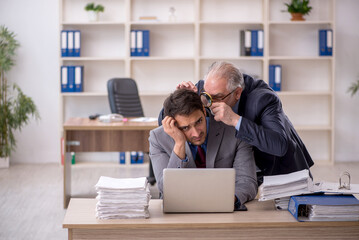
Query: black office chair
{"points": [[124, 99]]}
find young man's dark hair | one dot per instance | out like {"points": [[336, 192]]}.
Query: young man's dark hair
{"points": [[182, 102]]}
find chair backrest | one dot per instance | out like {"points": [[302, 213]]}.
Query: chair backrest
{"points": [[123, 97]]}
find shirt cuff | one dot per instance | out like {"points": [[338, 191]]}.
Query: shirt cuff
{"points": [[185, 160], [239, 123]]}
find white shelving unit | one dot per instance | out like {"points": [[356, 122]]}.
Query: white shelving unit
{"points": [[206, 31]]}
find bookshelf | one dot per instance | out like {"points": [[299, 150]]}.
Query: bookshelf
{"points": [[206, 31]]}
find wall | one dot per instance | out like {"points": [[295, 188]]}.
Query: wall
{"points": [[347, 71], [36, 25]]}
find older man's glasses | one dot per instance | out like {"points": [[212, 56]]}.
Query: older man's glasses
{"points": [[207, 99]]}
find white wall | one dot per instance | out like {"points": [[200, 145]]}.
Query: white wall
{"points": [[35, 23], [37, 72], [347, 71]]}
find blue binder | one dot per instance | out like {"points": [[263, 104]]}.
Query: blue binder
{"points": [[139, 43], [78, 78], [260, 43], [329, 42], [77, 43], [70, 43], [146, 43], [133, 43], [254, 42], [322, 42], [301, 207], [275, 77], [122, 156], [64, 49], [64, 79], [71, 78]]}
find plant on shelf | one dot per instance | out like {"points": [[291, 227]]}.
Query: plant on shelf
{"points": [[298, 8], [353, 89], [15, 107], [93, 11]]}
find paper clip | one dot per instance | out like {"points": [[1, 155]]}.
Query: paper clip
{"points": [[344, 185]]}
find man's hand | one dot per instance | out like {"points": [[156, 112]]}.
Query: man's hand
{"points": [[187, 85], [169, 126], [224, 113]]}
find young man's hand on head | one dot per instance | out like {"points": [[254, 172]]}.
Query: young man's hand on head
{"points": [[169, 126]]}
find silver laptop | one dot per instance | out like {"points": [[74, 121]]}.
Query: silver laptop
{"points": [[198, 190]]}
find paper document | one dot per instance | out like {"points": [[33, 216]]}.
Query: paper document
{"points": [[144, 119]]}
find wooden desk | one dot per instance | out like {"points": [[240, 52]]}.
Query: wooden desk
{"points": [[95, 136], [261, 221]]}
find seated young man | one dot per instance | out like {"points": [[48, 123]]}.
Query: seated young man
{"points": [[190, 139]]}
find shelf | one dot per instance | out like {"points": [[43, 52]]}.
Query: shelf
{"points": [[93, 23], [229, 23], [300, 58], [300, 22], [93, 59], [232, 58], [162, 59], [143, 23]]}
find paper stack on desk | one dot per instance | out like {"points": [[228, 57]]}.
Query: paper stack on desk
{"points": [[122, 198], [285, 185]]}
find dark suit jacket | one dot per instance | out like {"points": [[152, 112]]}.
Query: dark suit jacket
{"points": [[277, 147]]}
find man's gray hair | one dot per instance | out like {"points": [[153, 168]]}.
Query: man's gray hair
{"points": [[228, 71]]}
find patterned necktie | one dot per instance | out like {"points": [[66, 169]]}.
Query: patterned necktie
{"points": [[200, 158]]}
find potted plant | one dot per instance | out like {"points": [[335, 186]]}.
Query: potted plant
{"points": [[15, 107], [298, 8], [353, 88], [93, 11]]}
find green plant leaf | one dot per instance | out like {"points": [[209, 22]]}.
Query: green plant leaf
{"points": [[353, 89]]}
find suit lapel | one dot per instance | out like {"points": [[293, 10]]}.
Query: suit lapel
{"points": [[215, 135]]}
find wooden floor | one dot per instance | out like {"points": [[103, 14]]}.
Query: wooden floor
{"points": [[31, 196]]}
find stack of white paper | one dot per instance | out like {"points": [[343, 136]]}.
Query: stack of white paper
{"points": [[281, 203], [122, 198], [285, 185]]}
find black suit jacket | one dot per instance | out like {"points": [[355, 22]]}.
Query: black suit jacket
{"points": [[277, 147]]}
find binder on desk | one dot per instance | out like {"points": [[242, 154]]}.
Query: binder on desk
{"points": [[324, 208]]}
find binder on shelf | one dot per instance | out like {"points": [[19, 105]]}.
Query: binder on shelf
{"points": [[71, 78], [275, 77], [325, 42], [146, 43], [260, 43], [139, 42], [329, 43], [70, 43], [241, 43], [79, 78], [324, 208], [64, 79], [247, 42], [77, 43], [64, 49], [133, 43], [254, 43]]}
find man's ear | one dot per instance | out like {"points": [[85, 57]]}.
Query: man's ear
{"points": [[238, 93]]}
